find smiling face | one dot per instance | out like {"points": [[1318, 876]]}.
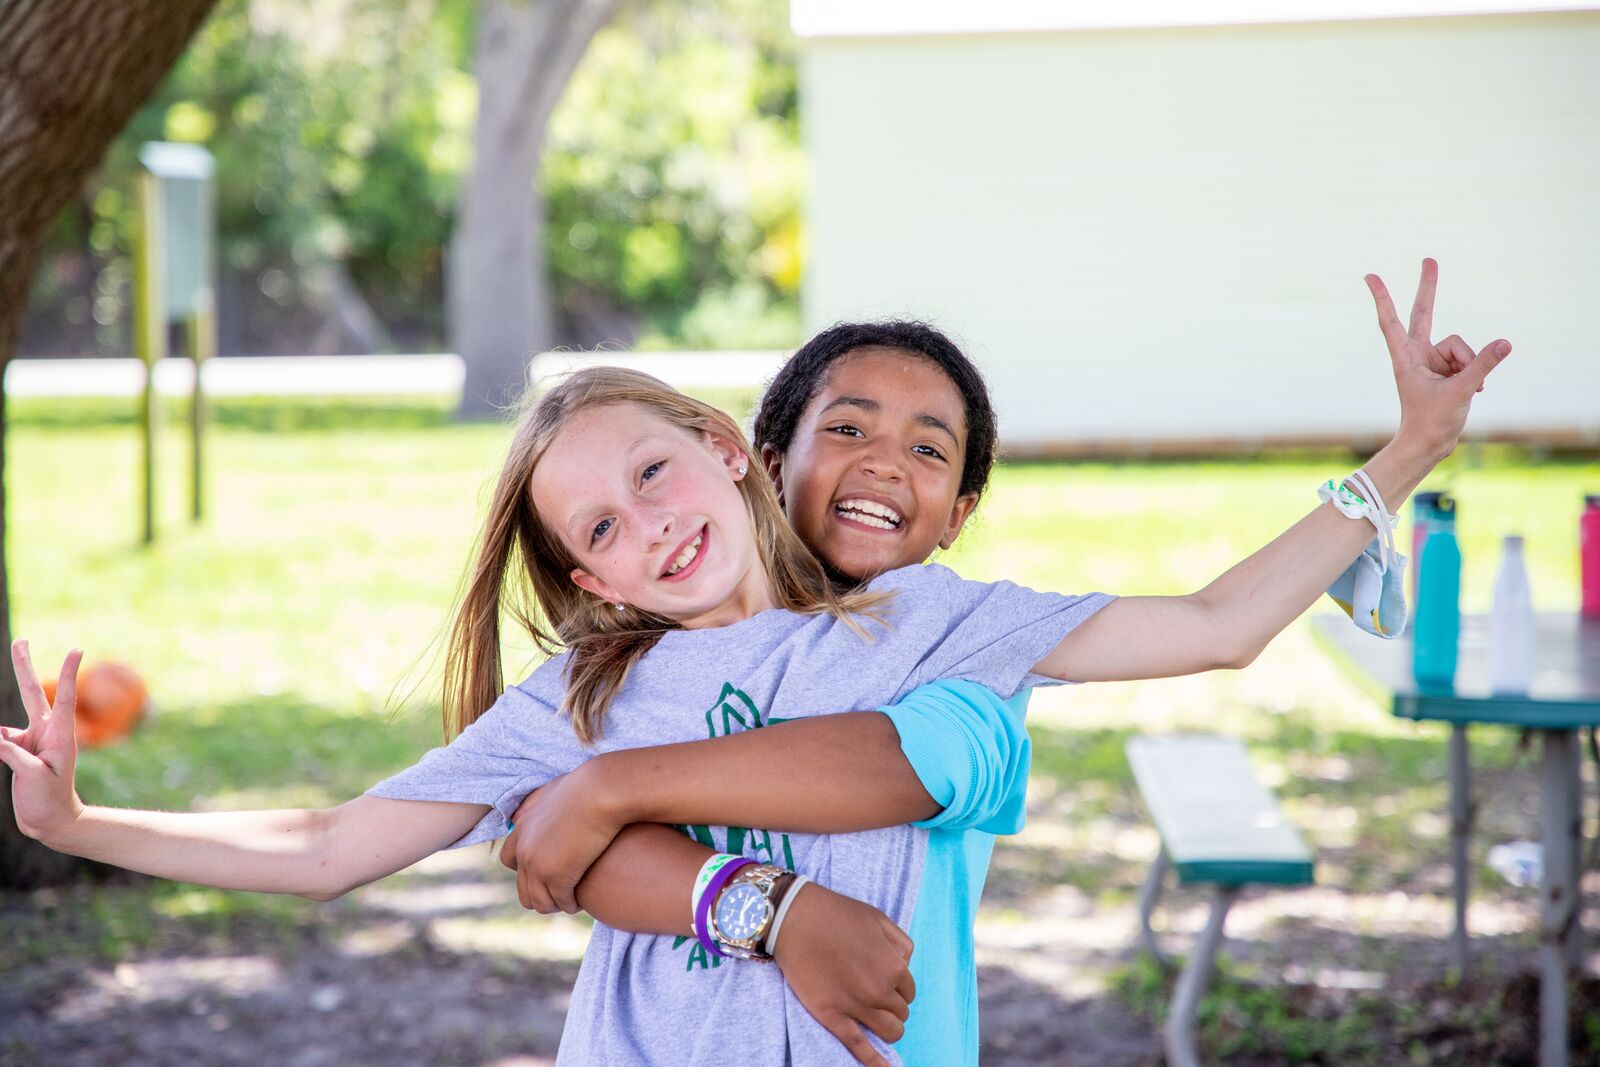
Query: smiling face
{"points": [[872, 475], [653, 515]]}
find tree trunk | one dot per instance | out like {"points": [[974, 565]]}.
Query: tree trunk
{"points": [[499, 305], [71, 74]]}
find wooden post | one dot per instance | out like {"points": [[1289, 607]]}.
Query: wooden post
{"points": [[150, 329], [202, 346]]}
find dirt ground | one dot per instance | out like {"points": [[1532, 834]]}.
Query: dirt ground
{"points": [[440, 966]]}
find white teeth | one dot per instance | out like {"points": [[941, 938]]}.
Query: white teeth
{"points": [[870, 513], [690, 551]]}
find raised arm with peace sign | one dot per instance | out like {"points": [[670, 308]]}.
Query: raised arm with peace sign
{"points": [[1436, 380], [1229, 622]]}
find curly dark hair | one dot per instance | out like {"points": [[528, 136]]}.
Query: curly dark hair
{"points": [[803, 376]]}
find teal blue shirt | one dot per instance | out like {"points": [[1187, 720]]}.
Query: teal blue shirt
{"points": [[971, 751]]}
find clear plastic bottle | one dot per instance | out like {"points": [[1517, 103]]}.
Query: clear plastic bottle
{"points": [[1519, 862], [1437, 634], [1512, 632]]}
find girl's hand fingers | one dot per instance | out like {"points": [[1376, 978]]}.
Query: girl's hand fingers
{"points": [[33, 698], [508, 852], [19, 759], [67, 682], [1485, 361], [1457, 354], [533, 894], [898, 938], [886, 1026], [1388, 321], [1422, 309], [854, 1039], [566, 898], [907, 987], [63, 717]]}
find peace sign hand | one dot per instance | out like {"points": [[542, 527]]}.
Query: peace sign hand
{"points": [[1436, 381], [42, 757]]}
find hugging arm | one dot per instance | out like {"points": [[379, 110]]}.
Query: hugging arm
{"points": [[844, 960], [1232, 619], [822, 774]]}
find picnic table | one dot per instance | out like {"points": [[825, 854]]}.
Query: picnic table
{"points": [[1220, 827], [1564, 698]]}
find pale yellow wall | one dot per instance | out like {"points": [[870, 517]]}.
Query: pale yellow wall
{"points": [[1161, 233]]}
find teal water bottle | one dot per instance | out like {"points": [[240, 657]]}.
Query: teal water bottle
{"points": [[1428, 511], [1438, 629]]}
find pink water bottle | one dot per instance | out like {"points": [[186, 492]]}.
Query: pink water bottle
{"points": [[1589, 555]]}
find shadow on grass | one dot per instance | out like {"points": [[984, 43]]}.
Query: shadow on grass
{"points": [[154, 972], [1028, 1024], [1372, 806], [254, 980], [1412, 1015], [279, 750]]}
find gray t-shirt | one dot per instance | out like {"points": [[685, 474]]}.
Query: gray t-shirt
{"points": [[655, 999]]}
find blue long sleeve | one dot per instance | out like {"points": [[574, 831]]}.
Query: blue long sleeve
{"points": [[971, 751]]}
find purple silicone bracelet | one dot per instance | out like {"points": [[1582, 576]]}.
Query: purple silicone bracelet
{"points": [[703, 911]]}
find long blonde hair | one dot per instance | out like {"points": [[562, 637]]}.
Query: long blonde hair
{"points": [[522, 569]]}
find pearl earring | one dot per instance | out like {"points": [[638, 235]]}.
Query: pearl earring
{"points": [[742, 470]]}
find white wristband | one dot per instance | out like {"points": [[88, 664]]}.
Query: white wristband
{"points": [[708, 871], [1370, 506], [771, 946]]}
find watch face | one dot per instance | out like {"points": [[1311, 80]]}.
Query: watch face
{"points": [[741, 910]]}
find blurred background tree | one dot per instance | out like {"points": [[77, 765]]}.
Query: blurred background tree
{"points": [[671, 175], [71, 72]]}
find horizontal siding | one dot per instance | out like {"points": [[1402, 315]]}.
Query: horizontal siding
{"points": [[1161, 234]]}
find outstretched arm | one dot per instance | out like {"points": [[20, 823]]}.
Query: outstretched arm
{"points": [[1231, 620], [319, 854]]}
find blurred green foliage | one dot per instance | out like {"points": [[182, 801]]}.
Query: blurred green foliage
{"points": [[672, 177]]}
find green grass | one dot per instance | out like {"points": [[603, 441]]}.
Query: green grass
{"points": [[316, 590], [278, 636]]}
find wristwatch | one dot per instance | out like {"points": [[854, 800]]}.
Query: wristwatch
{"points": [[743, 911]]}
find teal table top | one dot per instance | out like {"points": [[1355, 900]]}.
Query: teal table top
{"points": [[1565, 693]]}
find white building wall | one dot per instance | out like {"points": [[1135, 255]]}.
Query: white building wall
{"points": [[1159, 234]]}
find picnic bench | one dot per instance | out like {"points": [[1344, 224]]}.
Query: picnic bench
{"points": [[1220, 827]]}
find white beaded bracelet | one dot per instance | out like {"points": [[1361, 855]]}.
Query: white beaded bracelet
{"points": [[771, 945]]}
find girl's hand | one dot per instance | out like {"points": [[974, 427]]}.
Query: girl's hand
{"points": [[1436, 381], [848, 963], [43, 756], [559, 832]]}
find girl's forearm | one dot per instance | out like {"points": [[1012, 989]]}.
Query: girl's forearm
{"points": [[1257, 598], [319, 853], [262, 851], [642, 881], [1232, 619], [825, 774]]}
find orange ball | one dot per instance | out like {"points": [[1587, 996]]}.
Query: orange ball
{"points": [[111, 701]]}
